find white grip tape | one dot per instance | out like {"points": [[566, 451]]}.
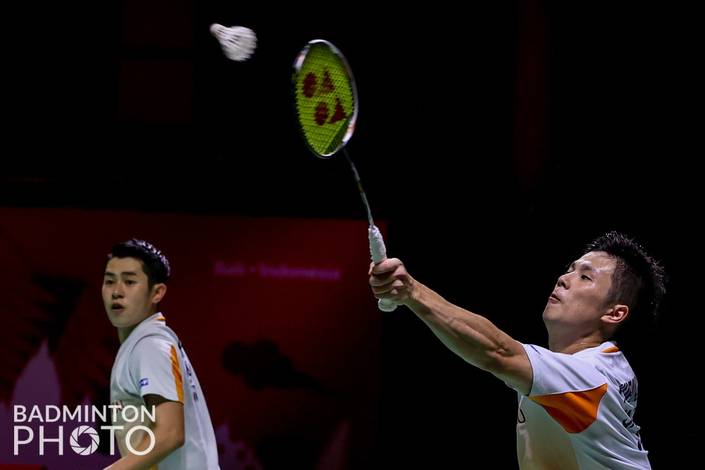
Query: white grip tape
{"points": [[377, 248], [379, 254]]}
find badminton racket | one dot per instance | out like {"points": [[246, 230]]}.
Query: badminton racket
{"points": [[326, 106]]}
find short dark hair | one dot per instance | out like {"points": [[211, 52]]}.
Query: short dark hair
{"points": [[154, 264], [638, 280]]}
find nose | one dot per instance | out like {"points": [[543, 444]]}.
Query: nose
{"points": [[563, 281], [117, 293]]}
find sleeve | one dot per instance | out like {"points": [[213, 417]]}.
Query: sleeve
{"points": [[155, 366], [569, 388]]}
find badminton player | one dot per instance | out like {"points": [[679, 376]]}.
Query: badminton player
{"points": [[152, 369], [578, 397]]}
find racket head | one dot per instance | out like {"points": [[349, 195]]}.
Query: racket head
{"points": [[325, 97]]}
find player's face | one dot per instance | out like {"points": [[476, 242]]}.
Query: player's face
{"points": [[126, 294], [579, 298]]}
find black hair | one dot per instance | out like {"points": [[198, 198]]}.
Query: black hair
{"points": [[154, 264], [638, 280]]}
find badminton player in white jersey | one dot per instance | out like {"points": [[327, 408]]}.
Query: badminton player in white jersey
{"points": [[577, 398], [152, 369]]}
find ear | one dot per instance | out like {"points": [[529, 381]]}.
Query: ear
{"points": [[158, 292], [616, 314]]}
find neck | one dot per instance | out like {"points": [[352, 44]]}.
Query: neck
{"points": [[568, 346], [123, 333]]}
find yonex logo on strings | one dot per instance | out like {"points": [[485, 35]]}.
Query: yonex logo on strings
{"points": [[311, 88]]}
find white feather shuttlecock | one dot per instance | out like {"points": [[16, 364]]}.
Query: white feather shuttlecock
{"points": [[238, 42]]}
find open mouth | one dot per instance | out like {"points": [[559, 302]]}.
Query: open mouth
{"points": [[117, 308]]}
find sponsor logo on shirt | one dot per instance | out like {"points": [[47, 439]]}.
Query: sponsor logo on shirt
{"points": [[144, 382]]}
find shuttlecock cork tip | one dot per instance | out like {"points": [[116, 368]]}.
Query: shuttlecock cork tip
{"points": [[216, 28]]}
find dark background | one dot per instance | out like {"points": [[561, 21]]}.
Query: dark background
{"points": [[495, 140]]}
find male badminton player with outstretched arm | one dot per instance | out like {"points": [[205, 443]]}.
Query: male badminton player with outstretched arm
{"points": [[577, 398], [152, 370]]}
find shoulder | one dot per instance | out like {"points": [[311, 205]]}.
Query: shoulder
{"points": [[608, 353], [158, 342], [610, 360], [151, 330], [555, 372], [538, 354]]}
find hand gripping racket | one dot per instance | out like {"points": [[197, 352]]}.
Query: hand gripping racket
{"points": [[327, 105]]}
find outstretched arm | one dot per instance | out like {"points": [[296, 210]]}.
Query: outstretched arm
{"points": [[470, 336]]}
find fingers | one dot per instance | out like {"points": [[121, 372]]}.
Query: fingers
{"points": [[385, 272], [382, 279], [389, 280], [388, 265], [393, 288]]}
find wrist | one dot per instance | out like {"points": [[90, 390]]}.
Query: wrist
{"points": [[415, 293]]}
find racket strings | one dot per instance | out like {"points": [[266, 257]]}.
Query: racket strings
{"points": [[325, 102]]}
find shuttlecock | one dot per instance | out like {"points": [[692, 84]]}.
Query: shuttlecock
{"points": [[238, 42]]}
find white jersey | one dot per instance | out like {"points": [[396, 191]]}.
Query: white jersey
{"points": [[152, 361], [579, 413]]}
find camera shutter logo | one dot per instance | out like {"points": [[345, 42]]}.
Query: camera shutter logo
{"points": [[78, 432]]}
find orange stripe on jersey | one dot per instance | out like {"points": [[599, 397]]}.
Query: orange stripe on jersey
{"points": [[176, 371], [574, 411], [611, 349], [160, 318]]}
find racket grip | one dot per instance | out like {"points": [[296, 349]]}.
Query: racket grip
{"points": [[379, 253]]}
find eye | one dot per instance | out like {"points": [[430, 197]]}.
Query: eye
{"points": [[130, 282], [107, 282], [585, 277]]}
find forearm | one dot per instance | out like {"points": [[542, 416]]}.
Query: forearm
{"points": [[470, 336], [473, 337]]}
